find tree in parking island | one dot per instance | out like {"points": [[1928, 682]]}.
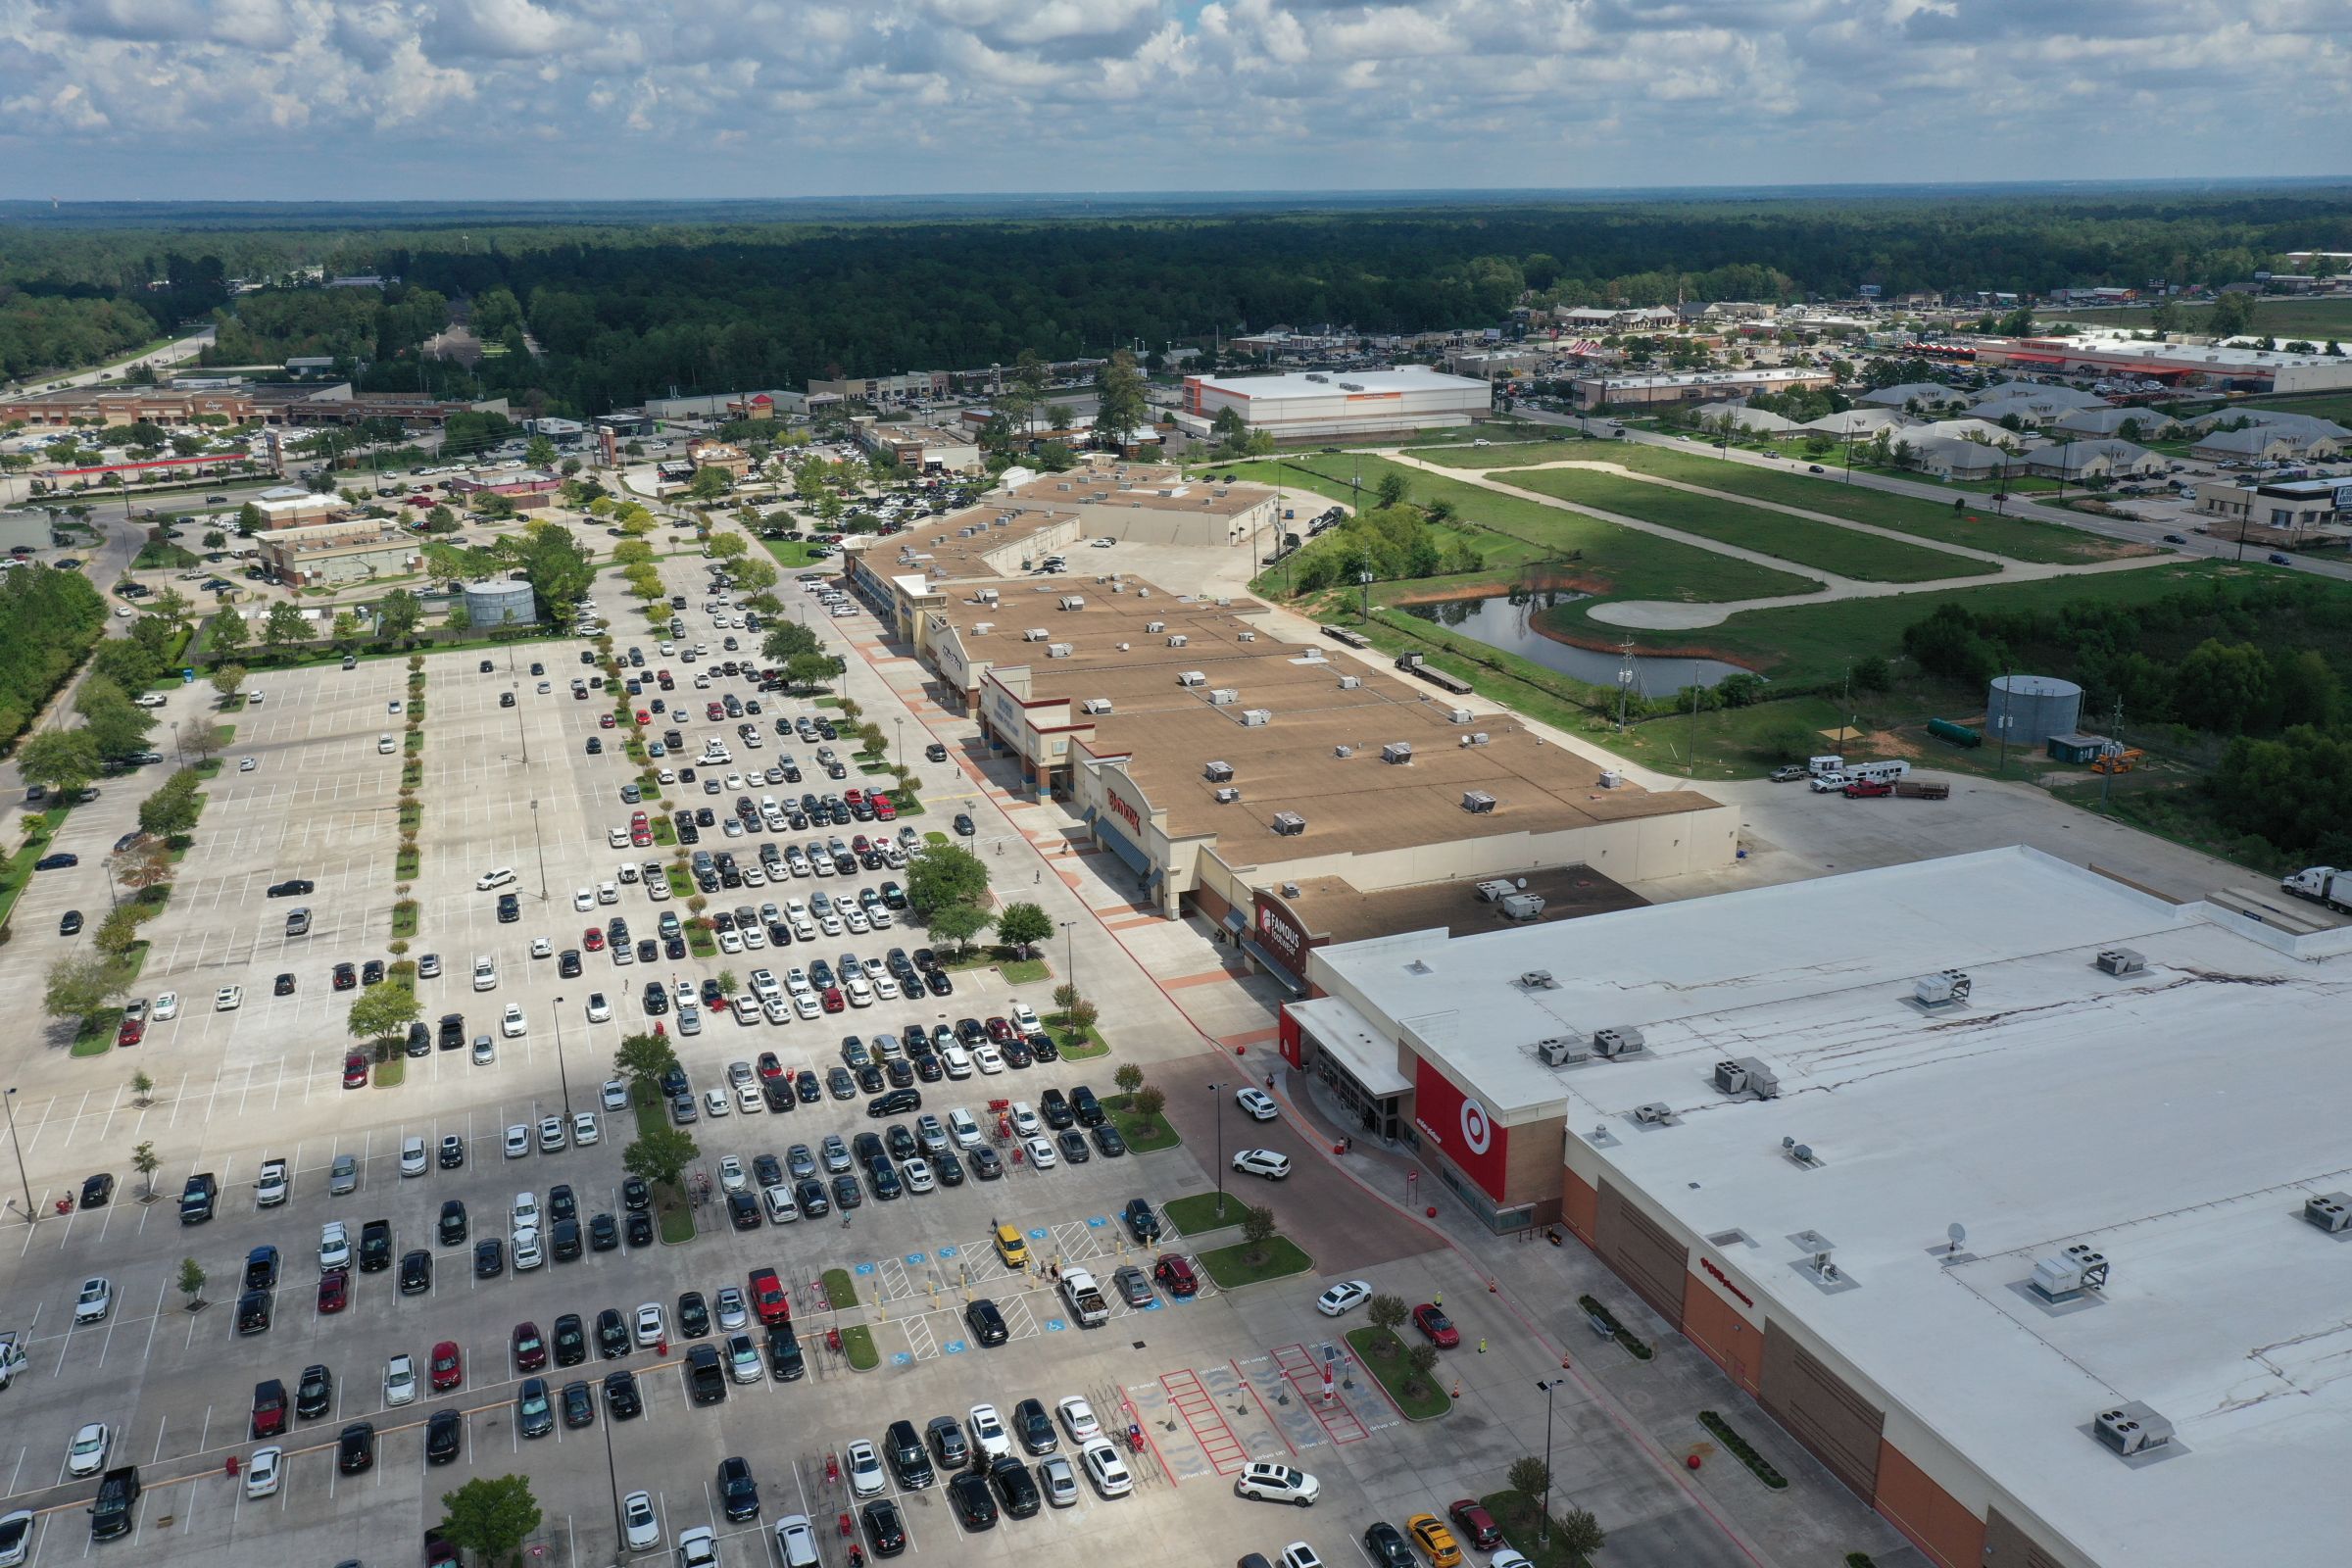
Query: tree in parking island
{"points": [[227, 635], [146, 1161], [490, 1516], [662, 1156], [191, 1282], [227, 680], [283, 627], [81, 984], [641, 1060], [1022, 926], [790, 641], [62, 759], [383, 1011]]}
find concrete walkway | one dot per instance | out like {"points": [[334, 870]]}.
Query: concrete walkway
{"points": [[1664, 615]]}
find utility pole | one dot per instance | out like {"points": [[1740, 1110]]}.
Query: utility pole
{"points": [[1625, 677], [1364, 580], [1543, 1528], [2114, 749], [1216, 1092], [31, 1216]]}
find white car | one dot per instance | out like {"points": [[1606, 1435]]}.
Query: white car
{"points": [[334, 1246], [1277, 1483], [963, 1129], [796, 1542], [640, 1525], [228, 999], [87, 1455], [1297, 1554], [526, 1213], [616, 1095], [986, 1058], [956, 1061], [1344, 1297], [1078, 1418], [1262, 1162], [1106, 1469], [519, 1141], [512, 1024], [541, 948], [1256, 1102], [400, 1380], [485, 974], [599, 1010], [866, 1468], [1058, 1480], [1024, 1019], [584, 899], [97, 1298], [263, 1470], [715, 1102], [525, 1248], [698, 1547], [584, 1133], [651, 1328], [989, 1436], [498, 878], [781, 1209], [1040, 1152], [731, 1174], [412, 1156], [553, 1135], [916, 1174], [167, 1005], [1025, 1120]]}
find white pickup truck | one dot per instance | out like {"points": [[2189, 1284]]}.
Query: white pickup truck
{"points": [[274, 1183]]}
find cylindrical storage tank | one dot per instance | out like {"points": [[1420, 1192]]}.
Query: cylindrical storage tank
{"points": [[1943, 729], [2028, 710], [500, 604]]}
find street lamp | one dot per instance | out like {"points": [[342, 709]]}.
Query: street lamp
{"points": [[1071, 963], [613, 1478], [562, 1077], [1543, 1526], [31, 1217], [1219, 1092], [540, 845]]}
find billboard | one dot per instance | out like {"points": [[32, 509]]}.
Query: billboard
{"points": [[1459, 1125]]}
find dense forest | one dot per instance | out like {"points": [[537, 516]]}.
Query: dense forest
{"points": [[48, 619], [622, 303]]}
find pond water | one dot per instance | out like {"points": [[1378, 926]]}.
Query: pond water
{"points": [[1506, 621]]}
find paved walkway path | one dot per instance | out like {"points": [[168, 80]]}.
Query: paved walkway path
{"points": [[1664, 615]]}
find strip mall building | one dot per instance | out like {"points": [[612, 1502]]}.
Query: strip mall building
{"points": [[2001, 1186]]}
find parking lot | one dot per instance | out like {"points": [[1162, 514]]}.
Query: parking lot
{"points": [[1210, 1380]]}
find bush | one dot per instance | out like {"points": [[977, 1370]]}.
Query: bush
{"points": [[1743, 1451]]}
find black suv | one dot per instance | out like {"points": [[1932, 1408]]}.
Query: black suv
{"points": [[907, 1461], [314, 1395], [570, 1341], [705, 1378], [612, 1334], [986, 1322], [375, 1247], [737, 1490]]}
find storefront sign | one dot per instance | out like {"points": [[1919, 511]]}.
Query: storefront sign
{"points": [[1125, 812], [1459, 1125], [1276, 931], [1724, 1281]]}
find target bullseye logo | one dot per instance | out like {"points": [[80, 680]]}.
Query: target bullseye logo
{"points": [[1478, 1133]]}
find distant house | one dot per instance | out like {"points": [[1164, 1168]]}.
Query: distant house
{"points": [[1957, 457], [2147, 424], [2272, 435], [1858, 424], [1927, 394], [2078, 461]]}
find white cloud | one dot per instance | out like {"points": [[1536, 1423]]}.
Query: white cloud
{"points": [[786, 97]]}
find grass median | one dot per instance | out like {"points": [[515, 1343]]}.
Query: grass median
{"points": [[1253, 1264], [1143, 1136], [1197, 1213], [1388, 1359]]}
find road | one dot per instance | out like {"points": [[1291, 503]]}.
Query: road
{"points": [[186, 347]]}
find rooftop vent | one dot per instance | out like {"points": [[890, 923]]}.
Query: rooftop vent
{"points": [[1217, 772], [1342, 750], [1095, 704], [1245, 637], [1035, 634], [1478, 803], [1228, 795], [2132, 1429], [1523, 907], [1559, 1050], [1348, 683], [1622, 1040], [1257, 717], [1657, 1113], [1458, 715], [1496, 890], [2070, 1275], [1156, 627], [1223, 696], [1289, 823], [1538, 980], [1944, 988], [2329, 1212], [2121, 960], [1400, 751], [1060, 649], [1073, 601], [1191, 677], [1123, 648], [983, 627]]}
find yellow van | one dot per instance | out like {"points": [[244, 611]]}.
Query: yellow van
{"points": [[1011, 1248]]}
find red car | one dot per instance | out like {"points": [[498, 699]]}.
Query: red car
{"points": [[1475, 1524], [831, 997], [134, 1030], [1868, 789], [530, 1351], [770, 1066], [593, 939], [603, 721], [768, 1297], [334, 1289], [448, 1366], [269, 1408], [884, 812], [999, 1030], [715, 712], [641, 838], [1175, 1271], [355, 1072], [852, 796], [1436, 1327], [636, 821], [643, 717]]}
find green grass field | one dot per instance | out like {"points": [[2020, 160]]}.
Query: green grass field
{"points": [[2315, 319], [2338, 409], [2017, 538], [1823, 546], [1513, 534]]}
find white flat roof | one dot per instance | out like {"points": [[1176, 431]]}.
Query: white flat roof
{"points": [[2173, 1120], [1327, 384]]}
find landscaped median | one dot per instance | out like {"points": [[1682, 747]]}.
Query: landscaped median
{"points": [[1259, 1255], [857, 1339], [1144, 1133], [1417, 1396], [672, 1214], [1197, 1213]]}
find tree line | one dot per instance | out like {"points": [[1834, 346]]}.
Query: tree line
{"points": [[48, 621]]}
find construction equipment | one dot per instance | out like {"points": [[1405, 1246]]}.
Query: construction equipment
{"points": [[2119, 761]]}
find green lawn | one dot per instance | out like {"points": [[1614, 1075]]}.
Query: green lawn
{"points": [[1196, 1214], [1729, 741], [1823, 546], [841, 1291], [2338, 409], [857, 1343], [1518, 1519], [792, 555], [17, 870], [1233, 1266], [1160, 1134], [1511, 533], [2317, 319], [1383, 1355]]}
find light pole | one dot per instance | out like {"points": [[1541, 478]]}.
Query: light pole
{"points": [[31, 1217], [899, 723], [563, 1077], [1070, 963], [1363, 582], [1543, 1526], [612, 1480], [1217, 1091], [539, 844]]}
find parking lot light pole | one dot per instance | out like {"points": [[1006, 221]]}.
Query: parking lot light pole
{"points": [[1071, 926], [561, 1076], [31, 1215], [1544, 1526], [613, 1478], [540, 845], [1219, 1092]]}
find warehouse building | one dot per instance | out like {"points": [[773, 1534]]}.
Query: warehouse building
{"points": [[1323, 405], [1636, 389], [2177, 364], [330, 554], [2000, 1184]]}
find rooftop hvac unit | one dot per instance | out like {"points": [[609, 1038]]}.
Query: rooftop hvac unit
{"points": [[1478, 736], [1122, 648], [1477, 801], [1228, 795], [1731, 1078], [983, 627], [1257, 717], [1073, 601], [1348, 683], [1496, 890], [1458, 715], [1941, 988], [1559, 1050], [1224, 696], [1657, 1113], [1342, 750], [1610, 778], [1035, 634], [1396, 752], [2132, 1429], [1245, 637], [1746, 1075], [1060, 649], [988, 596], [1143, 593], [1523, 907], [1290, 824], [1178, 641], [1096, 704], [2121, 960], [1217, 772], [1622, 1040], [2065, 1276], [1538, 980], [1156, 627], [1191, 677], [2329, 1212]]}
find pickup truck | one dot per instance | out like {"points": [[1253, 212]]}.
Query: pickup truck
{"points": [[117, 1501], [276, 1181], [1084, 1300]]}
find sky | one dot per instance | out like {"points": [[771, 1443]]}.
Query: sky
{"points": [[578, 99]]}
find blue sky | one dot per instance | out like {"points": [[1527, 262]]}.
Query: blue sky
{"points": [[381, 99]]}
